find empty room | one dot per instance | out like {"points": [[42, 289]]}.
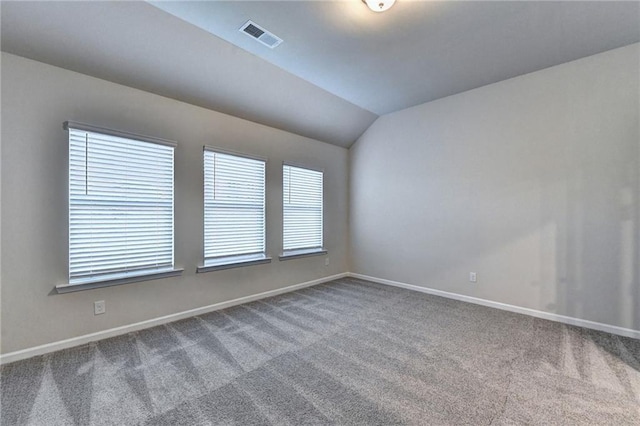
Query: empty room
{"points": [[348, 212]]}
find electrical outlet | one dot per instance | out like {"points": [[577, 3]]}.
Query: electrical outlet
{"points": [[99, 307], [326, 262], [473, 277]]}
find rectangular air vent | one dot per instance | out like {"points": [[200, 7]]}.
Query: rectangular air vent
{"points": [[258, 33]]}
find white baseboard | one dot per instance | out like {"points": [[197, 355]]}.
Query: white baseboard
{"points": [[621, 331], [87, 338]]}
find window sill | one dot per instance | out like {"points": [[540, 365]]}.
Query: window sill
{"points": [[116, 280], [295, 254], [233, 262]]}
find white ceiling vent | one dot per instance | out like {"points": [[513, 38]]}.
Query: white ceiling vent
{"points": [[256, 32]]}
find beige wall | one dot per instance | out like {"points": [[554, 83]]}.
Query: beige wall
{"points": [[532, 182], [36, 100]]}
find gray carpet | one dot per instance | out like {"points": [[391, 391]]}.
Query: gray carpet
{"points": [[346, 352]]}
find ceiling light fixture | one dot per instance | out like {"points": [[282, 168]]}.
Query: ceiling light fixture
{"points": [[379, 5]]}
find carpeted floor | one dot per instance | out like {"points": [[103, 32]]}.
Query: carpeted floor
{"points": [[346, 352]]}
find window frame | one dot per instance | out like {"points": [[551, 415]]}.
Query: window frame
{"points": [[296, 253], [222, 262], [122, 276]]}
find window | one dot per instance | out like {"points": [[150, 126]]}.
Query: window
{"points": [[234, 210], [302, 211], [120, 205]]}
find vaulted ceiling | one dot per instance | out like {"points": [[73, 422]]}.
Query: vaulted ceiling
{"points": [[340, 65]]}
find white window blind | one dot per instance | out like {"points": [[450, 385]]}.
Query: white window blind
{"points": [[120, 206], [302, 208], [234, 206]]}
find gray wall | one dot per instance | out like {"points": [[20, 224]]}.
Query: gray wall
{"points": [[36, 100], [532, 182]]}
